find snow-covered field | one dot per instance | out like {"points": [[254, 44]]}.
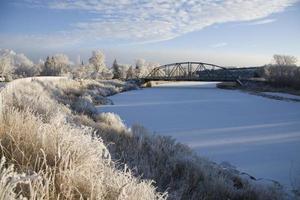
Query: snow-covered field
{"points": [[258, 135]]}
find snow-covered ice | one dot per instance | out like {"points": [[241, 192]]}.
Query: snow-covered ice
{"points": [[258, 135], [282, 95]]}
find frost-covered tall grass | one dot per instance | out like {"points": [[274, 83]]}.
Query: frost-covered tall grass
{"points": [[8, 181], [52, 133], [175, 167], [57, 159]]}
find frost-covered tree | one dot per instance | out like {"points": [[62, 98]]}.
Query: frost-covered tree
{"points": [[48, 68], [119, 70], [98, 61], [6, 68], [18, 64], [24, 67], [284, 72], [139, 64], [62, 60], [130, 74], [57, 65], [148, 68], [123, 71], [143, 68], [21, 59], [284, 60], [83, 71]]}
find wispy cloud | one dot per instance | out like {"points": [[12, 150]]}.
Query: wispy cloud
{"points": [[218, 45], [264, 21], [157, 20]]}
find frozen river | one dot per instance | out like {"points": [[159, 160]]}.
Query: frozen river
{"points": [[258, 135]]}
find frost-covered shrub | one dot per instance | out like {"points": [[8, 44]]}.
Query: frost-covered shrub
{"points": [[175, 168], [120, 84], [84, 105], [64, 156], [111, 121], [26, 94], [295, 180], [100, 100], [59, 159], [83, 95]]}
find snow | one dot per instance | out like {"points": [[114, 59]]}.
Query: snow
{"points": [[2, 84], [258, 135], [282, 95], [187, 84]]}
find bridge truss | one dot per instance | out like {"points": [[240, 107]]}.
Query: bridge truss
{"points": [[191, 71]]}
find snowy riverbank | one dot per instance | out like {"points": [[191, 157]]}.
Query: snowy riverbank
{"points": [[258, 135]]}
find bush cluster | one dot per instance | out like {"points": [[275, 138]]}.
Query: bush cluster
{"points": [[283, 75]]}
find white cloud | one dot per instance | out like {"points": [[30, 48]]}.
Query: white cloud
{"points": [[264, 21], [156, 20]]}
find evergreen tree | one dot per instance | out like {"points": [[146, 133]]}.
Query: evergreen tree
{"points": [[47, 67], [116, 70], [130, 73]]}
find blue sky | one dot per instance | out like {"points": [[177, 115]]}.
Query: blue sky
{"points": [[228, 32]]}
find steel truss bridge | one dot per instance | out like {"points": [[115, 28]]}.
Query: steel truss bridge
{"points": [[198, 71]]}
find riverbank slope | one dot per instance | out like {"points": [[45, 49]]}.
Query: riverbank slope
{"points": [[51, 133]]}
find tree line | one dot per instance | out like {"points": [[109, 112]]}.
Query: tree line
{"points": [[283, 72], [13, 66]]}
